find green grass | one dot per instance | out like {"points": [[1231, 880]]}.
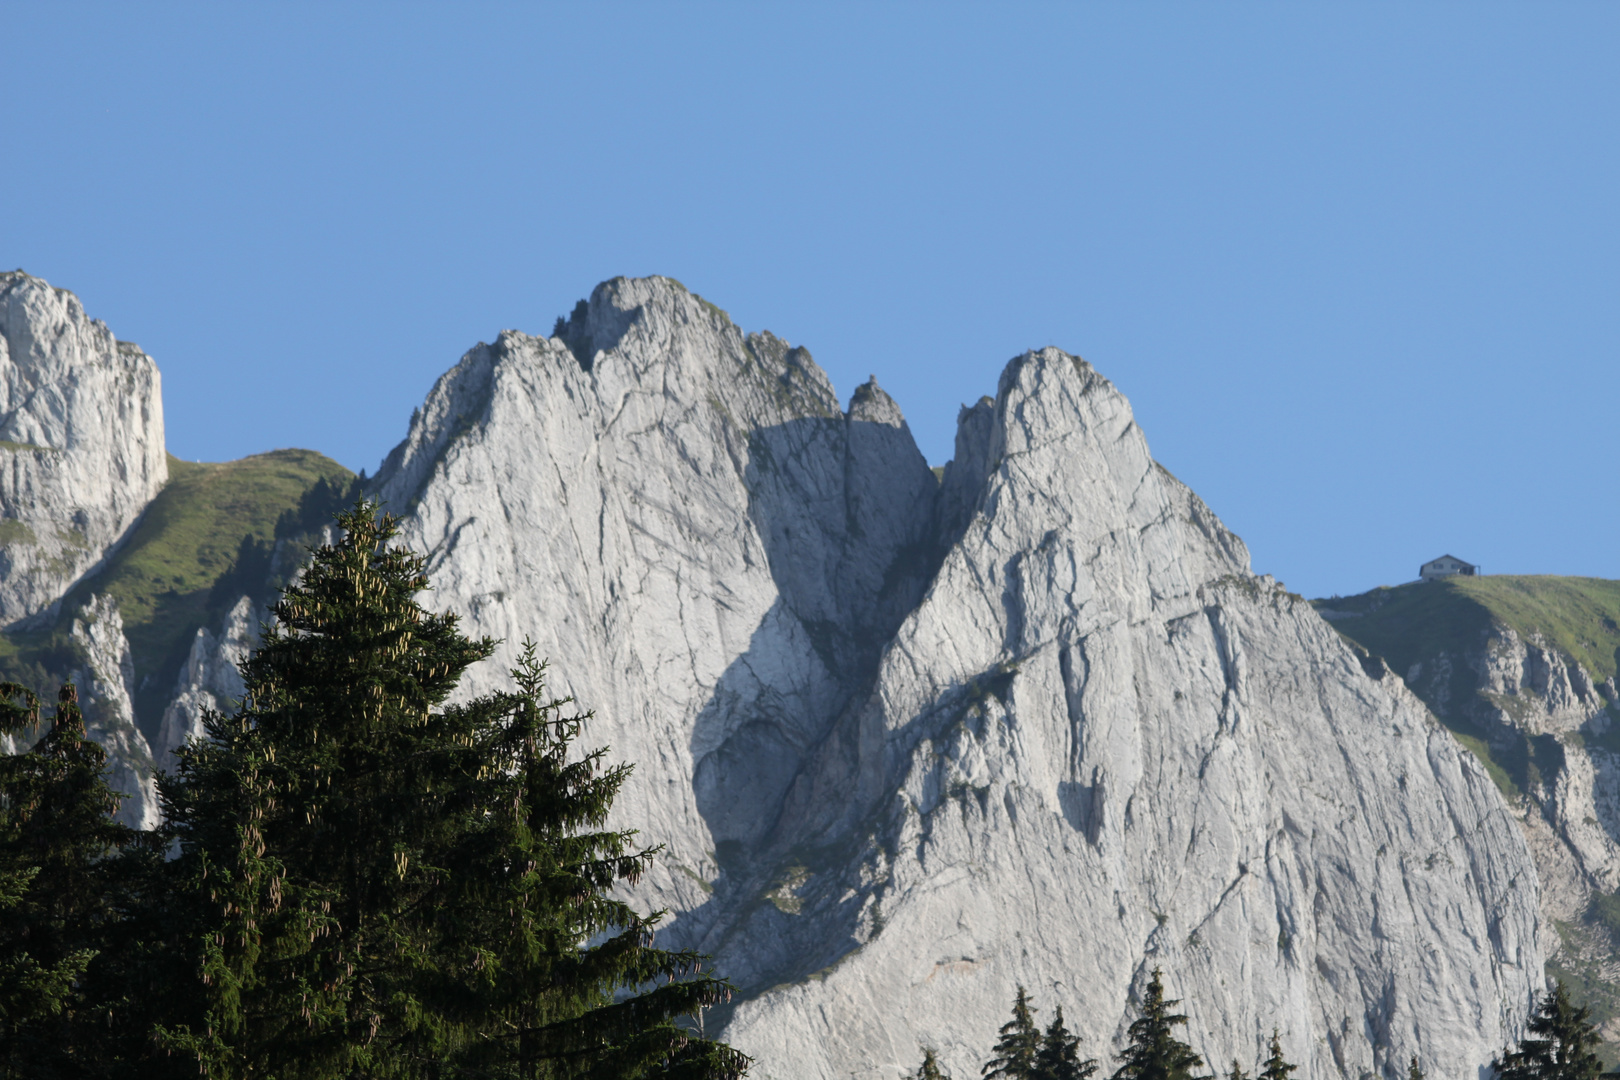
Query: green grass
{"points": [[179, 570], [1409, 623], [1580, 616]]}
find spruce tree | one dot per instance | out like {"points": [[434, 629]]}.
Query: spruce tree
{"points": [[929, 1069], [1059, 1055], [57, 912], [1019, 1045], [1154, 1052], [1237, 1072], [1275, 1068], [381, 884], [1414, 1071], [1559, 1046]]}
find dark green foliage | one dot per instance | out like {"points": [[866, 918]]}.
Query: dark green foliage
{"points": [[1237, 1072], [323, 501], [378, 884], [1059, 1056], [56, 889], [1154, 1052], [1414, 1071], [1275, 1068], [929, 1069], [1019, 1044], [1559, 1046]]}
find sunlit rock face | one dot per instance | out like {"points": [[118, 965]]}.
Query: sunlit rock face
{"points": [[909, 743], [81, 442], [104, 677]]}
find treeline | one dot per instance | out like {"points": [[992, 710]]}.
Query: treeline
{"points": [[1024, 1052], [355, 878], [1558, 1046]]}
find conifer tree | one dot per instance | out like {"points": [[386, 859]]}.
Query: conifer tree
{"points": [[929, 1069], [1275, 1068], [1414, 1071], [381, 884], [1154, 1052], [1019, 1045], [1059, 1055], [1559, 1046], [1237, 1072], [56, 888]]}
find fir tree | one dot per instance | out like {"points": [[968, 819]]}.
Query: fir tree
{"points": [[1275, 1068], [1059, 1055], [379, 884], [1237, 1072], [1559, 1046], [1019, 1045], [929, 1069], [1154, 1052], [56, 889], [1414, 1071]]}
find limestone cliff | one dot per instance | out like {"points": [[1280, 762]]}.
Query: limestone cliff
{"points": [[210, 679], [909, 743], [104, 677], [81, 442], [1524, 669]]}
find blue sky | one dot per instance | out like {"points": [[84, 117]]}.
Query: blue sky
{"points": [[1356, 266]]}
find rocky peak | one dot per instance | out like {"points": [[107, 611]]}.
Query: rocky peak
{"points": [[81, 429], [909, 743]]}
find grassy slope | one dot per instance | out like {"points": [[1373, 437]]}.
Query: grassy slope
{"points": [[1408, 623], [187, 540], [164, 576]]}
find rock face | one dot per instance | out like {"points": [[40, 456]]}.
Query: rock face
{"points": [[81, 442], [1528, 687], [209, 680], [1551, 726], [909, 744], [105, 694]]}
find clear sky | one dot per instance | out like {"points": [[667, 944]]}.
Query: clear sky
{"points": [[1357, 266]]}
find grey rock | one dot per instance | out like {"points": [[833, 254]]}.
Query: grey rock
{"points": [[81, 443], [1512, 687], [210, 681], [709, 551], [105, 680], [908, 744]]}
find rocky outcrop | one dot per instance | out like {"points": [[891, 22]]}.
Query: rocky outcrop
{"points": [[909, 744], [210, 679], [81, 443], [104, 679]]}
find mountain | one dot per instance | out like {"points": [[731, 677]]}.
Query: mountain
{"points": [[910, 744], [910, 740], [81, 437], [1523, 670]]}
